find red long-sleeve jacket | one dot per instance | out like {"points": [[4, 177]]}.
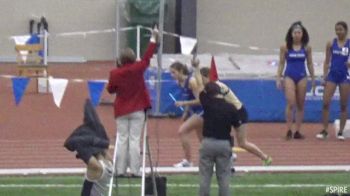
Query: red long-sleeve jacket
{"points": [[129, 85]]}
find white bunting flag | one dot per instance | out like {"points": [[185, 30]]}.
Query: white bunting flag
{"points": [[21, 39], [58, 87], [187, 44]]}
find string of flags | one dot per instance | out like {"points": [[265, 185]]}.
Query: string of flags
{"points": [[187, 43], [58, 85], [58, 88]]}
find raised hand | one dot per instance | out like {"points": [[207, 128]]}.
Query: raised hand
{"points": [[195, 62], [155, 34]]}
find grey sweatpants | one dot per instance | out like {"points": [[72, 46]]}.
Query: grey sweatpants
{"points": [[129, 129], [215, 152]]}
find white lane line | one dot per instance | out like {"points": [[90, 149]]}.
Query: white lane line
{"points": [[172, 170], [170, 185]]}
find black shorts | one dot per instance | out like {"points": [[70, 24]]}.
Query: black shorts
{"points": [[243, 115], [242, 118]]}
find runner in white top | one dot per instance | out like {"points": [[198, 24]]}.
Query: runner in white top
{"points": [[202, 75]]}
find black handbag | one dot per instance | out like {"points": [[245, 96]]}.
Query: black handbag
{"points": [[160, 184]]}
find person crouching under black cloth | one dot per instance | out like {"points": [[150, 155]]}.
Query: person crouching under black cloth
{"points": [[219, 116], [91, 143]]}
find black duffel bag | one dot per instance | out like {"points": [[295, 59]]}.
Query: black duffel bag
{"points": [[160, 184]]}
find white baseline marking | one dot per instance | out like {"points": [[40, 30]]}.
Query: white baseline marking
{"points": [[172, 185], [173, 170]]}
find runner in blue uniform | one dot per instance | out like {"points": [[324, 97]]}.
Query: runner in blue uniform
{"points": [[335, 73], [294, 54], [192, 109]]}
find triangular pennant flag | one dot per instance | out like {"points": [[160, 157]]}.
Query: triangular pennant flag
{"points": [[95, 90], [58, 87], [213, 74], [187, 44], [21, 39], [19, 85]]}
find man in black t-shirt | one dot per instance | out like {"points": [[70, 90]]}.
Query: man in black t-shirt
{"points": [[219, 117]]}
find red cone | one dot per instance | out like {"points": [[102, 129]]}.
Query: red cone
{"points": [[213, 74]]}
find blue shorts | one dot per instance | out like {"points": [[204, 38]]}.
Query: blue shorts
{"points": [[338, 77], [198, 111], [195, 111]]}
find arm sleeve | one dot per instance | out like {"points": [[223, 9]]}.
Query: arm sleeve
{"points": [[145, 61], [111, 86], [203, 98]]}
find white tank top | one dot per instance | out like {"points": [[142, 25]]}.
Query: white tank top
{"points": [[100, 186]]}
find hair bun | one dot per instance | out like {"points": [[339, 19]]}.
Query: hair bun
{"points": [[297, 23]]}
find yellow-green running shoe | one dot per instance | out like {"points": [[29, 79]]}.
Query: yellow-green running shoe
{"points": [[268, 161]]}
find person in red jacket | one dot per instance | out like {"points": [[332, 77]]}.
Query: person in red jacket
{"points": [[132, 99]]}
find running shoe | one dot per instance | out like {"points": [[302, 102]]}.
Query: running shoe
{"points": [[289, 135], [322, 135], [340, 136], [268, 161], [183, 163], [233, 157], [298, 135]]}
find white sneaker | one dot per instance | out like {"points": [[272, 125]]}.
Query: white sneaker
{"points": [[183, 163], [233, 157], [340, 136], [322, 135]]}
